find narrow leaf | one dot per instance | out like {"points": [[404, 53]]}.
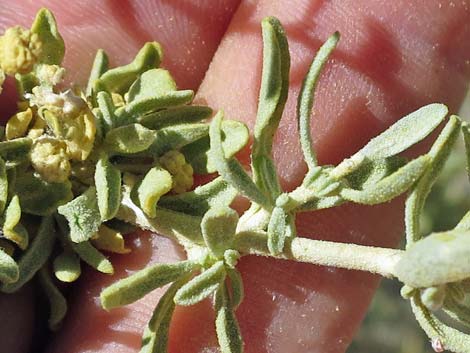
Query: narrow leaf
{"points": [[57, 302], [67, 266], [12, 229], [277, 231], [185, 114], [228, 331], [201, 286], [237, 289], [157, 182], [141, 283], [108, 188], [99, 67], [110, 240], [218, 229], [3, 185], [9, 271], [106, 108]]}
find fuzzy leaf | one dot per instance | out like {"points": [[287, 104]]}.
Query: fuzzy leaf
{"points": [[201, 286], [3, 186], [437, 259], [406, 132], [136, 286], [110, 240], [99, 67], [154, 82], [230, 169], [218, 229], [108, 188], [129, 139], [16, 151], [121, 78], [106, 107], [83, 216], [12, 229], [57, 302], [9, 271], [277, 231], [45, 26], [236, 284], [305, 100], [67, 266], [157, 182], [155, 337], [185, 114], [35, 256], [197, 202], [389, 187], [39, 197], [93, 257], [228, 331]]}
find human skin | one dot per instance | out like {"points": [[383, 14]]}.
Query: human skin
{"points": [[393, 57]]}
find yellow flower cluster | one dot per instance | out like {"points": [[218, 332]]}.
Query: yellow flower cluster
{"points": [[19, 50], [49, 158], [180, 170]]}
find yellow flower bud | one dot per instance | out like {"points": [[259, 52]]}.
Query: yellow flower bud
{"points": [[19, 50], [181, 171], [49, 158], [17, 125]]}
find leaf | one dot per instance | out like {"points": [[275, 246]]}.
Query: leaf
{"points": [[406, 132], [236, 284], [83, 216], [99, 67], [3, 186], [106, 107], [438, 154], [437, 259], [272, 98], [277, 231], [108, 188], [228, 331], [9, 271], [197, 202], [235, 136], [138, 108], [52, 44], [121, 78], [12, 229], [57, 302], [136, 286], [39, 197], [157, 182], [466, 137], [155, 337], [389, 187], [153, 82], [306, 96], [201, 286], [16, 151], [218, 229], [36, 255], [129, 139], [185, 114], [67, 266], [230, 169], [110, 240]]}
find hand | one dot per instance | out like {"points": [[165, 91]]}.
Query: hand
{"points": [[393, 58]]}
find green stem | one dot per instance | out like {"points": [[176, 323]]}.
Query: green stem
{"points": [[326, 253]]}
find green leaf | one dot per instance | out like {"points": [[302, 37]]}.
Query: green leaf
{"points": [[57, 302], [136, 286], [228, 331], [108, 188], [466, 137], [437, 259], [67, 266], [157, 182], [218, 229], [235, 136], [230, 169], [154, 82], [52, 49], [39, 197], [185, 114], [16, 151], [155, 337], [100, 66], [129, 139], [93, 257], [389, 187], [438, 154], [12, 229], [277, 231], [3, 186], [197, 202], [83, 216], [236, 284], [306, 95], [108, 118], [9, 270], [272, 98], [406, 132], [121, 78], [35, 256], [201, 286]]}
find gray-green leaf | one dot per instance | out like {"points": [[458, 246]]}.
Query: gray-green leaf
{"points": [[67, 266], [9, 271], [57, 302], [185, 114], [277, 231], [129, 139], [226, 324], [108, 188], [52, 49], [218, 229]]}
